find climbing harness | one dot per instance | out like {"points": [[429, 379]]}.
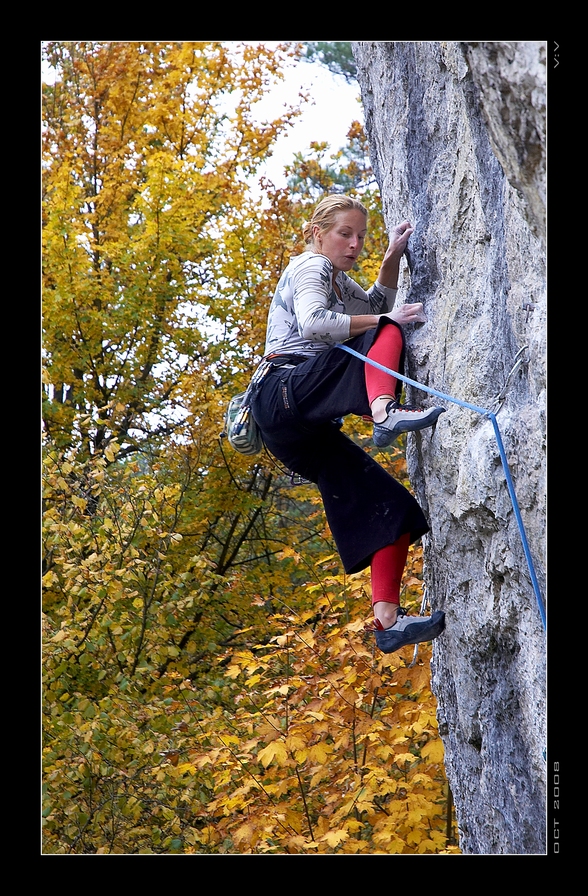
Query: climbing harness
{"points": [[491, 416]]}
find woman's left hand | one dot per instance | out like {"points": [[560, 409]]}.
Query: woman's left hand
{"points": [[409, 313]]}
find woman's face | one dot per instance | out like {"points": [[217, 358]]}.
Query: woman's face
{"points": [[344, 241]]}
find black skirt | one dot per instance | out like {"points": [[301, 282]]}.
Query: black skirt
{"points": [[297, 409]]}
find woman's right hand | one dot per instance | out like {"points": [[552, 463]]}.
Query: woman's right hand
{"points": [[399, 236]]}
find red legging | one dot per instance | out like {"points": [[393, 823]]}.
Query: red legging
{"points": [[387, 568], [386, 350], [389, 562]]}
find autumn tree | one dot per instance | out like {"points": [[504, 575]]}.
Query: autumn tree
{"points": [[147, 151], [154, 273], [172, 566]]}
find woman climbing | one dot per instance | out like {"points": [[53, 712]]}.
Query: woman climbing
{"points": [[311, 384]]}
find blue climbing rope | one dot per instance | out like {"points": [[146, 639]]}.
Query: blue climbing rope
{"points": [[491, 416]]}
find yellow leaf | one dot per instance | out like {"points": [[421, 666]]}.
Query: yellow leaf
{"points": [[289, 552], [274, 751], [298, 842], [334, 838], [425, 780], [415, 816], [301, 755], [401, 758], [245, 834], [427, 845], [391, 842], [433, 750], [319, 753], [357, 626], [295, 742]]}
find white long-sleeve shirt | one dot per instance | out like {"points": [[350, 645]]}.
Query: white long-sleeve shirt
{"points": [[306, 316]]}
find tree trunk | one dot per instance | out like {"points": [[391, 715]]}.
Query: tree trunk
{"points": [[457, 142]]}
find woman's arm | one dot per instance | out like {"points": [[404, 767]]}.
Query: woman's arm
{"points": [[361, 323], [388, 276], [312, 289], [390, 267], [410, 313], [312, 286]]}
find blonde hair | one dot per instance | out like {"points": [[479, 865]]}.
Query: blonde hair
{"points": [[326, 212]]}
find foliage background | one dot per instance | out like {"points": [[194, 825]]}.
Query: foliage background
{"points": [[208, 686]]}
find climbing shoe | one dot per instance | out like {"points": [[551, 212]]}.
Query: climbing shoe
{"points": [[402, 418], [409, 630]]}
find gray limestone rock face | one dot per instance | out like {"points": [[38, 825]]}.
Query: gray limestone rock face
{"points": [[457, 141]]}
